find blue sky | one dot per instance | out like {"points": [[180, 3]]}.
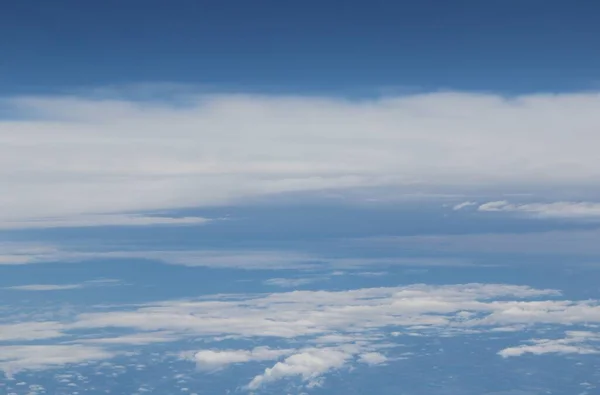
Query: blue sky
{"points": [[299, 198], [322, 46]]}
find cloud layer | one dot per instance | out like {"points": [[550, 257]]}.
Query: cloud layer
{"points": [[320, 331], [89, 157]]}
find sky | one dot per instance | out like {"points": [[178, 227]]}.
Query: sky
{"points": [[299, 198], [352, 48]]}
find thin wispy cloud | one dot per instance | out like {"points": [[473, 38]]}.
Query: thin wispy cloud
{"points": [[82, 221], [462, 205], [64, 287], [290, 282], [45, 287], [582, 243], [15, 358], [16, 254], [566, 210]]}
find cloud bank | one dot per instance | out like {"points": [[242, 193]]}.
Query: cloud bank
{"points": [[91, 157], [573, 210]]}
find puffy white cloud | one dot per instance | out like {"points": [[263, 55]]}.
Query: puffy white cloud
{"points": [[573, 343], [31, 330], [545, 348], [89, 157], [309, 364], [217, 359], [373, 358], [301, 313], [34, 357], [574, 210], [340, 327]]}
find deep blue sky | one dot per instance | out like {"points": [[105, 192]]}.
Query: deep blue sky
{"points": [[347, 47]]}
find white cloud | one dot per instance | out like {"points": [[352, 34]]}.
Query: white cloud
{"points": [[63, 287], [17, 358], [100, 220], [573, 343], [45, 287], [244, 259], [339, 327], [23, 253], [305, 313], [136, 339], [91, 157], [217, 359], [574, 210], [31, 330], [462, 205], [373, 358], [309, 365], [334, 352], [290, 282]]}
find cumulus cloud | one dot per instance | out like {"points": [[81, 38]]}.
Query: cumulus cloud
{"points": [[320, 331], [17, 254], [35, 330], [573, 343], [217, 359], [332, 351], [35, 357], [302, 313], [574, 210], [309, 365], [89, 157]]}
